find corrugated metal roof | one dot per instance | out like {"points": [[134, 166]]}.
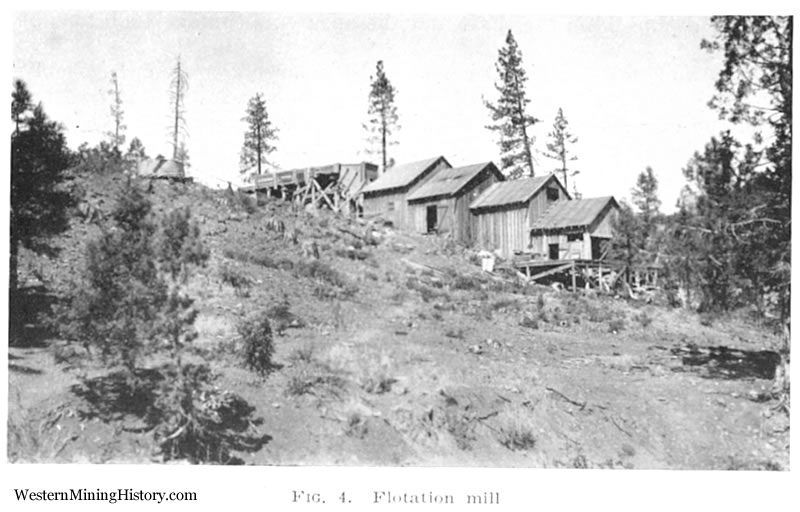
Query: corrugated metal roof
{"points": [[402, 175], [448, 181], [510, 192], [568, 214]]}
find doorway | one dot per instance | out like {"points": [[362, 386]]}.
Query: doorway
{"points": [[553, 251], [431, 219]]}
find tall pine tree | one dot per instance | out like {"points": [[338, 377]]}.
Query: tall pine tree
{"points": [[259, 137], [645, 196], [179, 85], [558, 147], [382, 121], [509, 116], [755, 87], [39, 159], [118, 135]]}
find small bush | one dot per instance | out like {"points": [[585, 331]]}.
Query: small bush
{"points": [[316, 269], [644, 319], [198, 421], [506, 304], [462, 282], [356, 426], [353, 254], [234, 277], [461, 427], [517, 437], [529, 322], [616, 325], [256, 334], [378, 383], [304, 355], [282, 316]]}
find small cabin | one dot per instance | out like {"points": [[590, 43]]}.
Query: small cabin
{"points": [[502, 215], [441, 205], [579, 229], [387, 196]]}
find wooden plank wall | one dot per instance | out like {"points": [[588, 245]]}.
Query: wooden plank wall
{"points": [[506, 230], [379, 206]]}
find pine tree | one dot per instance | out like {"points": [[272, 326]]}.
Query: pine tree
{"points": [[39, 160], [382, 122], [179, 85], [509, 115], [722, 177], [645, 196], [136, 150], [755, 87], [627, 242], [259, 137], [20, 103], [558, 146], [118, 135]]}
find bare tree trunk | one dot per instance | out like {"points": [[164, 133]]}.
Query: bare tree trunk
{"points": [[177, 113]]}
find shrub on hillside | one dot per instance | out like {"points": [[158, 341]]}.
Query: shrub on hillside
{"points": [[132, 300], [258, 348], [237, 279]]}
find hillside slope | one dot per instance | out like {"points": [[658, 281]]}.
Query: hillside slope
{"points": [[395, 349]]}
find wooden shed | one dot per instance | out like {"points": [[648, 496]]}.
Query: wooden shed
{"points": [[502, 216], [387, 196], [441, 205], [574, 229], [161, 168]]}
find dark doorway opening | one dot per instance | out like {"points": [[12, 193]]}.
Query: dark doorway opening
{"points": [[432, 219], [553, 251], [599, 248]]}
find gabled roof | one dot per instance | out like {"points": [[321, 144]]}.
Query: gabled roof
{"points": [[578, 213], [448, 182], [506, 193], [403, 175]]}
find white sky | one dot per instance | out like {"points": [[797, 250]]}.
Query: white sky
{"points": [[634, 89]]}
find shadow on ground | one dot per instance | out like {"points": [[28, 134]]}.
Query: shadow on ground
{"points": [[26, 307], [722, 362], [224, 422]]}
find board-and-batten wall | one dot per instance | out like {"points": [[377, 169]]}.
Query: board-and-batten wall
{"points": [[508, 228], [453, 215], [580, 248], [378, 203]]}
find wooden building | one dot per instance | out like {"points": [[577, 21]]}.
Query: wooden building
{"points": [[161, 168], [337, 186], [387, 196], [574, 230], [502, 216], [441, 205]]}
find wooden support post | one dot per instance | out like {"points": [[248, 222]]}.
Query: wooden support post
{"points": [[574, 281]]}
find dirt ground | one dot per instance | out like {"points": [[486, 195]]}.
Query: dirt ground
{"points": [[417, 358]]}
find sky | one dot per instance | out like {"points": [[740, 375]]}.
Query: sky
{"points": [[634, 89]]}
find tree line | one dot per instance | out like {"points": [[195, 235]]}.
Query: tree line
{"points": [[729, 243]]}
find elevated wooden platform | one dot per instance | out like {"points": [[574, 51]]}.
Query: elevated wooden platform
{"points": [[336, 185], [601, 274]]}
